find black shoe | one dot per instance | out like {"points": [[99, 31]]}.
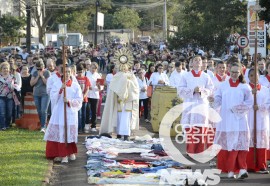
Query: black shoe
{"points": [[126, 138], [243, 176], [118, 136], [263, 171]]}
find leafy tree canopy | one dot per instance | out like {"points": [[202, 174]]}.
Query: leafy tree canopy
{"points": [[11, 26], [127, 18], [209, 23]]}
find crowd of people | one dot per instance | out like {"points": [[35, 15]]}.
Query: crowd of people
{"points": [[92, 74]]}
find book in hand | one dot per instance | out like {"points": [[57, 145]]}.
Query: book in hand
{"points": [[100, 81]]}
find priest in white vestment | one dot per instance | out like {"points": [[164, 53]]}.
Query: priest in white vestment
{"points": [[121, 111]]}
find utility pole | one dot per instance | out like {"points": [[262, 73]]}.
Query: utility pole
{"points": [[28, 27], [96, 20], [165, 21]]}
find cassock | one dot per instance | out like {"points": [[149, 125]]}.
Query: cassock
{"points": [[232, 132], [55, 133], [262, 126], [195, 124]]}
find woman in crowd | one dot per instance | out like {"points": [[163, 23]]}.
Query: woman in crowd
{"points": [[93, 97], [232, 133], [151, 69], [26, 87], [55, 134], [17, 75], [143, 100], [84, 84], [262, 126], [7, 86], [158, 78], [41, 97]]}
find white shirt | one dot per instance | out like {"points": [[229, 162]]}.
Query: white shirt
{"points": [[210, 73], [24, 55], [108, 81], [142, 84], [18, 79], [264, 81], [94, 93], [155, 77], [175, 78]]}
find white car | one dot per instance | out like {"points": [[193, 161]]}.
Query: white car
{"points": [[145, 39]]}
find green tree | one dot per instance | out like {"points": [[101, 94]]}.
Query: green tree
{"points": [[209, 23], [127, 18], [265, 15], [11, 27]]}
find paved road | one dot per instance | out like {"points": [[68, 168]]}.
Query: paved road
{"points": [[74, 174]]}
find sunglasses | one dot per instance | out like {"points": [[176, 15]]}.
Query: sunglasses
{"points": [[39, 69]]}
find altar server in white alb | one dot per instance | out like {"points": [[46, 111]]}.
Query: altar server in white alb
{"points": [[121, 111], [55, 133], [265, 81], [262, 126], [176, 76], [219, 77], [195, 87], [232, 133], [205, 67]]}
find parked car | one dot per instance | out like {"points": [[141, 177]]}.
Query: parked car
{"points": [[145, 39], [118, 41], [9, 48], [36, 47]]}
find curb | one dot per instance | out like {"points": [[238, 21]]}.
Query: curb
{"points": [[48, 174]]}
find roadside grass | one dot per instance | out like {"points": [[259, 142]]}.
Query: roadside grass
{"points": [[22, 157]]}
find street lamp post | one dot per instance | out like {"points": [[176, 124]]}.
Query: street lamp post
{"points": [[96, 20], [63, 36]]}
